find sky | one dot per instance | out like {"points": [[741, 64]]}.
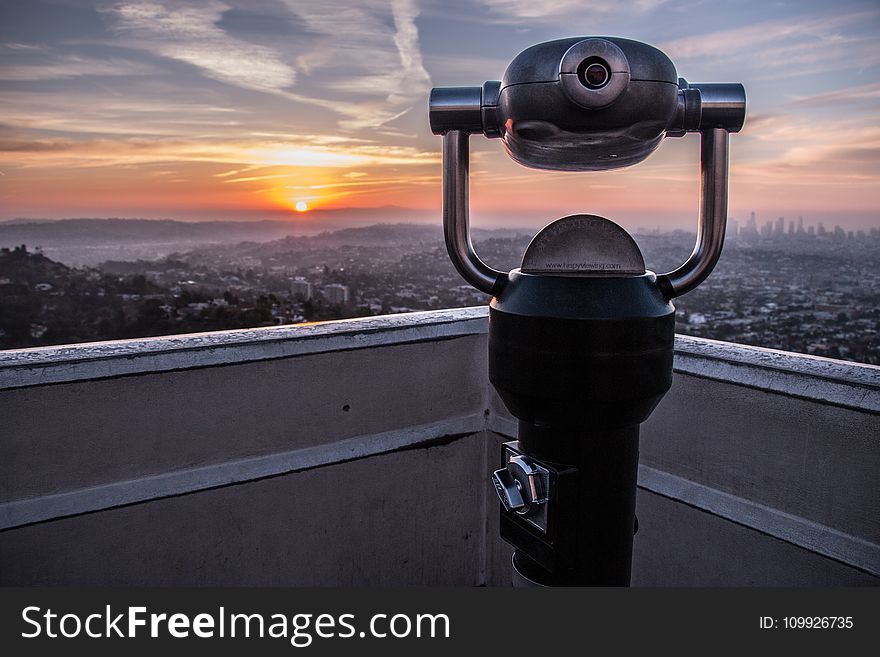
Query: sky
{"points": [[244, 109]]}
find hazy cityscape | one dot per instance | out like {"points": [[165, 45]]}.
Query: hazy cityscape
{"points": [[785, 284]]}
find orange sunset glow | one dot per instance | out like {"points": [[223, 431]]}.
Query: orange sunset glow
{"points": [[233, 110]]}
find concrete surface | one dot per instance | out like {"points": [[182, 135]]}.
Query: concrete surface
{"points": [[358, 453]]}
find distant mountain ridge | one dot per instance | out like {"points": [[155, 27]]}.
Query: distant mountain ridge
{"points": [[87, 241], [92, 230], [116, 229]]}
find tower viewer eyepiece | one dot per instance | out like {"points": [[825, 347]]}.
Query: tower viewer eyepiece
{"points": [[594, 74]]}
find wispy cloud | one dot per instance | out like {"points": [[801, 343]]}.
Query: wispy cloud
{"points": [[366, 62], [66, 66], [305, 151], [190, 33], [850, 95], [841, 153], [737, 41], [327, 98], [96, 114], [786, 47], [31, 62], [516, 10], [377, 186]]}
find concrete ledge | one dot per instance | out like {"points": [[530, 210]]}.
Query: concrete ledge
{"points": [[96, 360], [851, 385], [842, 383]]}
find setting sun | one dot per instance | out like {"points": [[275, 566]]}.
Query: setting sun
{"points": [[301, 206]]}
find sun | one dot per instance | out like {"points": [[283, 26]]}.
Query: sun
{"points": [[301, 206]]}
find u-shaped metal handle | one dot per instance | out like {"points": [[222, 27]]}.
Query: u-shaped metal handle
{"points": [[712, 222], [456, 218]]}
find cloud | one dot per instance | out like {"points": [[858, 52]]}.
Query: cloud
{"points": [[406, 38], [787, 47], [841, 153], [303, 151], [360, 63], [14, 46], [850, 95], [511, 11], [365, 62], [737, 41], [190, 33], [377, 185], [67, 66], [97, 112]]}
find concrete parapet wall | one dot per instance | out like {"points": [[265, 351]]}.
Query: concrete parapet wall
{"points": [[358, 452]]}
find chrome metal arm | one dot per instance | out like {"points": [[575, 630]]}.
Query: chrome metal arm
{"points": [[456, 221], [713, 216]]}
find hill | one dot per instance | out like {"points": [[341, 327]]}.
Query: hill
{"points": [[89, 241]]}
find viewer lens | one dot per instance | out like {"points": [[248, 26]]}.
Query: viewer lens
{"points": [[596, 75]]}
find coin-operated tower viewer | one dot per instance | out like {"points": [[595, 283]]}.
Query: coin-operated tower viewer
{"points": [[581, 335]]}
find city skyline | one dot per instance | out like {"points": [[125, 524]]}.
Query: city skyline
{"points": [[246, 110], [811, 291]]}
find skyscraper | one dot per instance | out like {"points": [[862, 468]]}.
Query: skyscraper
{"points": [[751, 225]]}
